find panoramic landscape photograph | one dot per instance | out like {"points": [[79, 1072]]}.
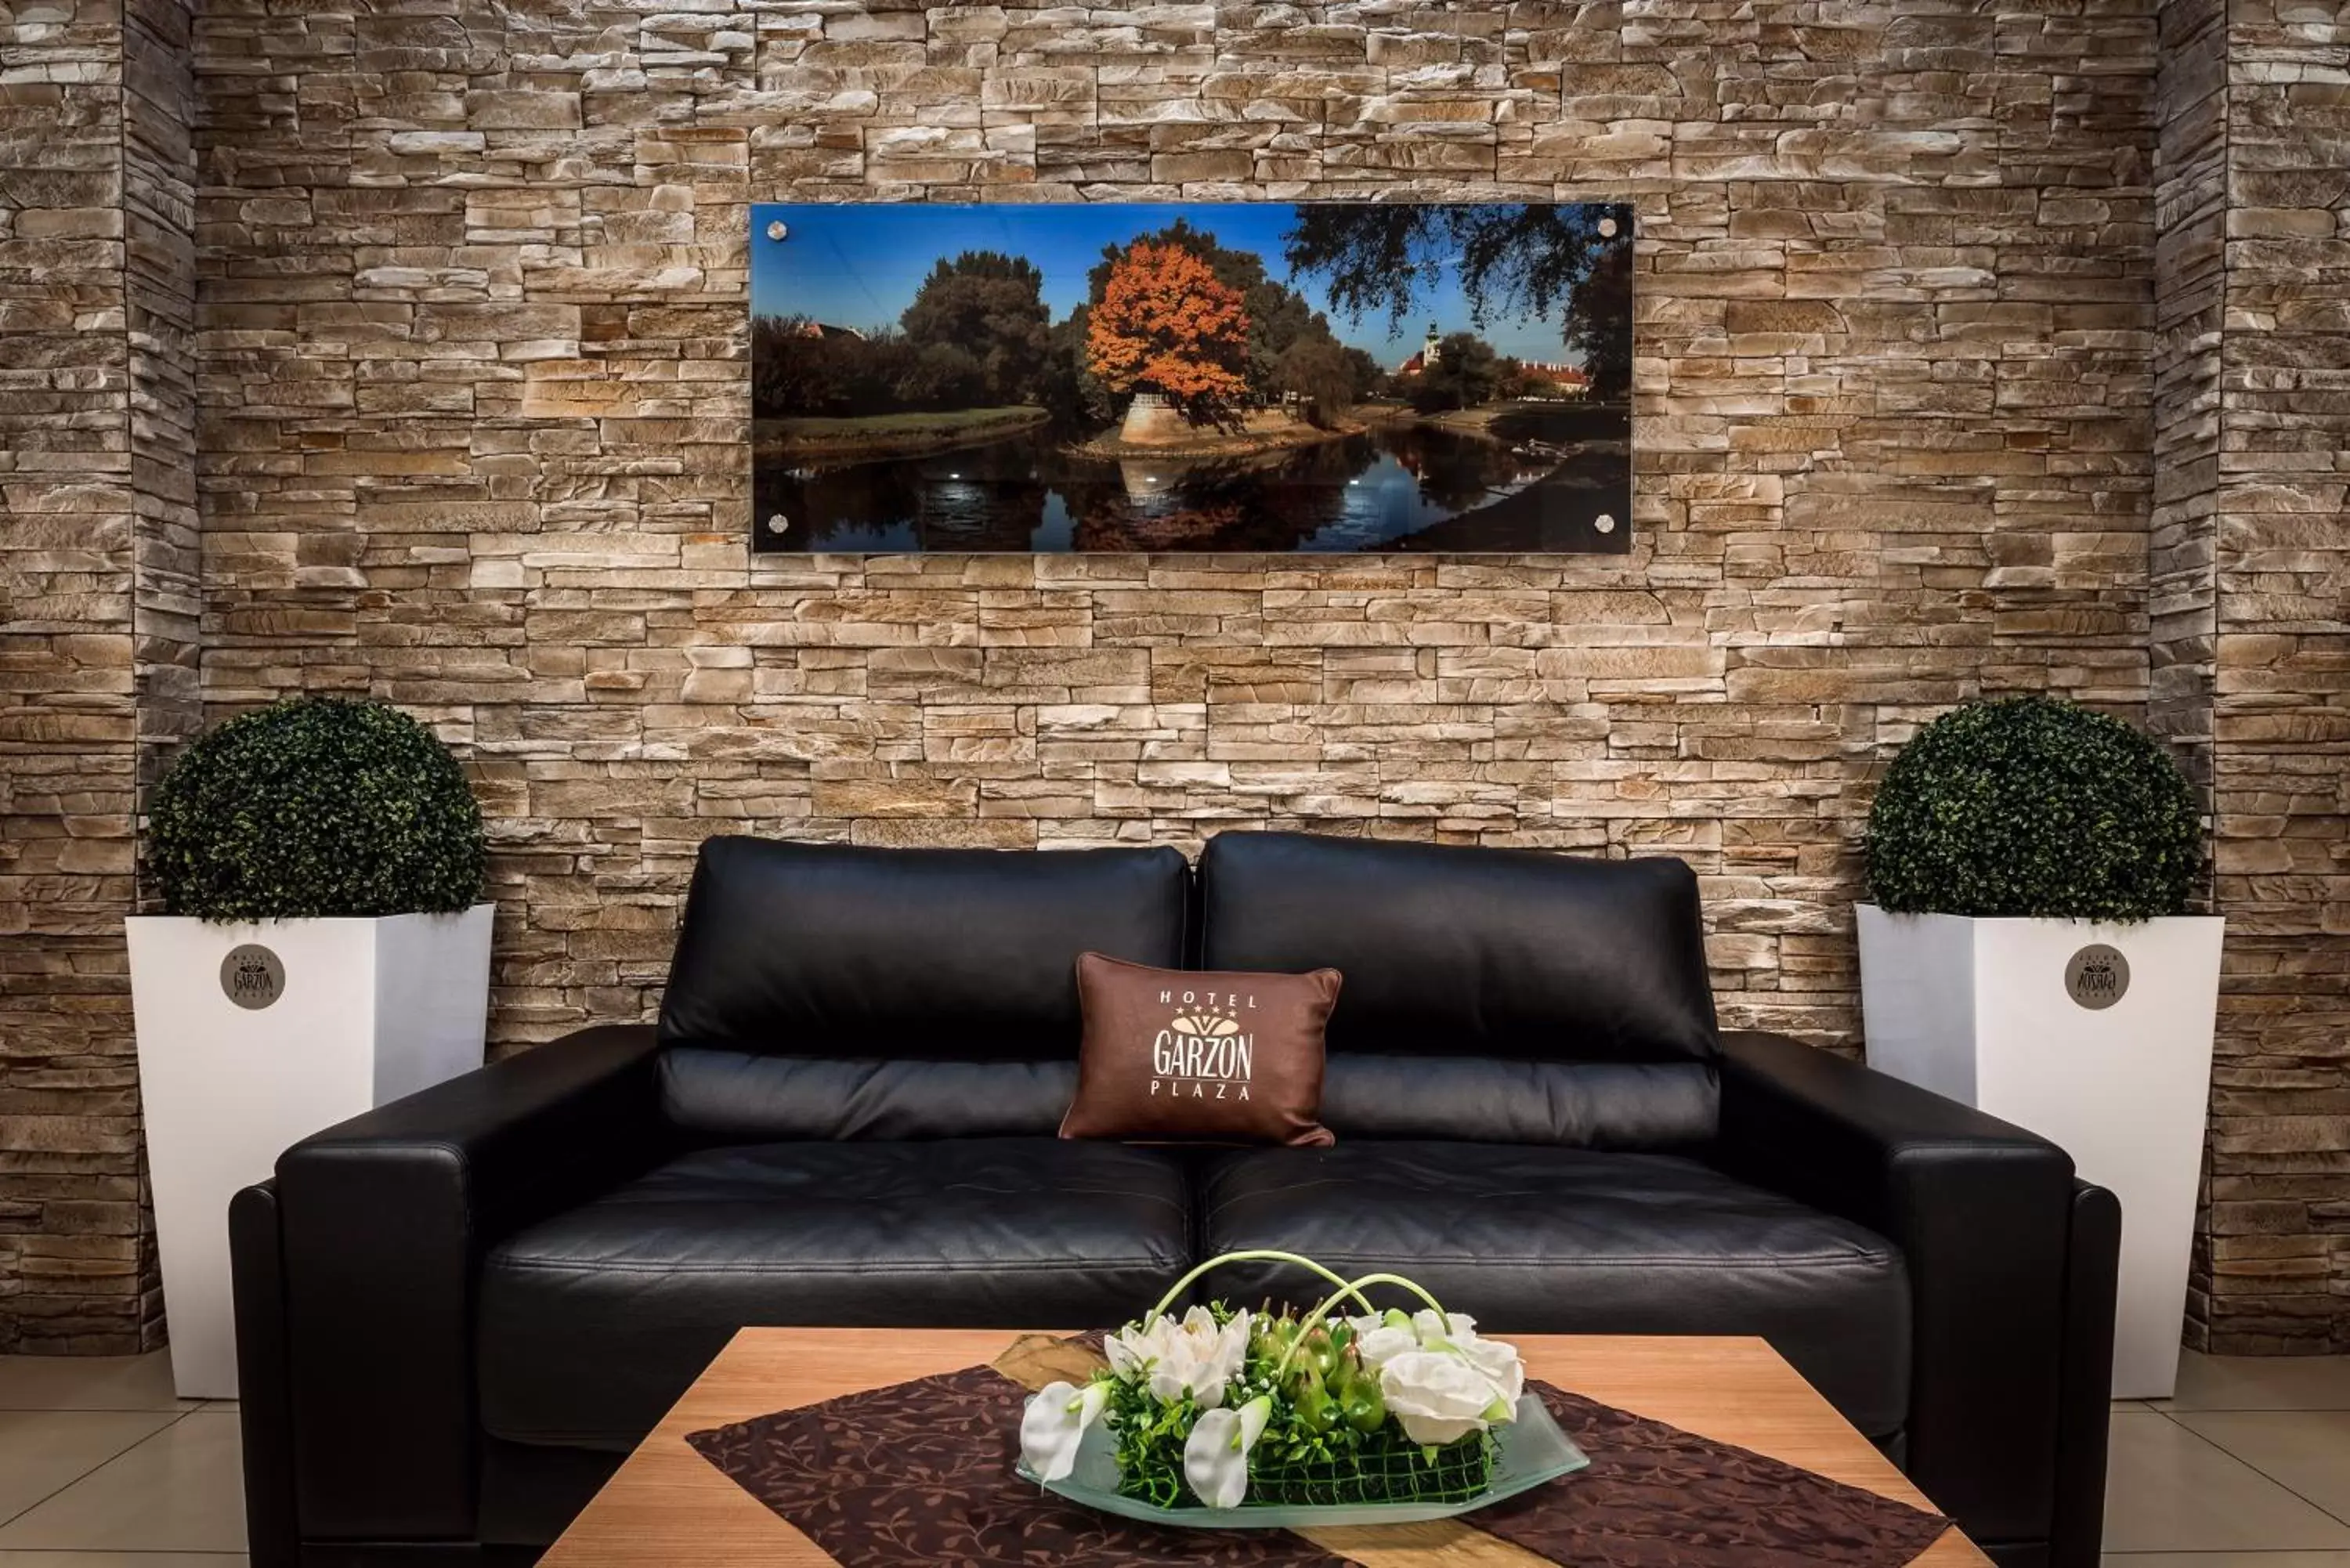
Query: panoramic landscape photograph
{"points": [[1234, 376]]}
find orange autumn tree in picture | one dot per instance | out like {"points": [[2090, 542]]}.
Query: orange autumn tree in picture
{"points": [[1166, 325]]}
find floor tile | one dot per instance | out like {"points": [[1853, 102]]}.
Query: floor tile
{"points": [[88, 1383], [2260, 1383], [43, 1451], [122, 1559], [2305, 1451], [2168, 1489], [179, 1490]]}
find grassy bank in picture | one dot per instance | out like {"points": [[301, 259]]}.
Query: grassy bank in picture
{"points": [[1506, 420], [890, 435]]}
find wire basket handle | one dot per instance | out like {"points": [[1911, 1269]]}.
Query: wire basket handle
{"points": [[1260, 1255], [1346, 1288]]}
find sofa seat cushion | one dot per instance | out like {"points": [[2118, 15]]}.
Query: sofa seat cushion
{"points": [[592, 1322], [1537, 1240]]}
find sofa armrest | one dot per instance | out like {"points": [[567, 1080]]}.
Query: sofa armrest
{"points": [[383, 1224], [1982, 1212]]}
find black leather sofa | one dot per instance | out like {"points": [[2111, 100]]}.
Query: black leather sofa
{"points": [[457, 1313]]}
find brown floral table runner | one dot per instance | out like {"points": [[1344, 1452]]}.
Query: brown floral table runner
{"points": [[921, 1473], [1655, 1496]]}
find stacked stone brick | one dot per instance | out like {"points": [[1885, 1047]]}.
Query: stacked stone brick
{"points": [[472, 393], [2278, 1232], [98, 626], [475, 401], [2191, 208]]}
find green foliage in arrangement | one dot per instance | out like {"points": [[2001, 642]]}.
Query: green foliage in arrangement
{"points": [[2033, 806], [313, 807]]}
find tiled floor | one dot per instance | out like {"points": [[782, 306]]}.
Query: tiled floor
{"points": [[101, 1468], [2248, 1467]]}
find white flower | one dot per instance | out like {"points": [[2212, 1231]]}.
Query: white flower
{"points": [[1054, 1422], [1436, 1332], [1215, 1456], [1438, 1395], [1381, 1345], [1380, 1339], [1501, 1367], [1498, 1362], [1193, 1355]]}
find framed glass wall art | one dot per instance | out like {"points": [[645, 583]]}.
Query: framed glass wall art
{"points": [[1336, 377]]}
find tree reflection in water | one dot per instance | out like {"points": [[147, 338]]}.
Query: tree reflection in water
{"points": [[1398, 486]]}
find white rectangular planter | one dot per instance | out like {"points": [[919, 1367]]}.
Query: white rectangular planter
{"points": [[252, 1037], [1982, 1010]]}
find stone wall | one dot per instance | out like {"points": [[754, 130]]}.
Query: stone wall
{"points": [[159, 175], [1924, 412], [2279, 1231], [2191, 210], [476, 395], [96, 658]]}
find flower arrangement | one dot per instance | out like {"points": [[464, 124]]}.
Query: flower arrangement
{"points": [[1222, 1407]]}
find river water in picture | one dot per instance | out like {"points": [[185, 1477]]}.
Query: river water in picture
{"points": [[1542, 480], [1253, 376]]}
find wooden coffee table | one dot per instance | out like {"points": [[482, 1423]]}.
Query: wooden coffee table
{"points": [[668, 1505]]}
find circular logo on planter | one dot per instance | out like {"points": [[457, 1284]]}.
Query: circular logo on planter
{"points": [[2097, 976], [252, 976]]}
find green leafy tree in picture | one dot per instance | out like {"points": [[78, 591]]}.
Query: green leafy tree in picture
{"points": [[798, 373], [944, 376], [1524, 262], [1318, 370], [1598, 323], [990, 308], [1067, 389], [1466, 372]]}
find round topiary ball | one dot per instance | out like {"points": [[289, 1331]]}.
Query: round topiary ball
{"points": [[2037, 807], [316, 806]]}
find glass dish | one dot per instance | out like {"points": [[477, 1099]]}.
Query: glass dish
{"points": [[1530, 1450]]}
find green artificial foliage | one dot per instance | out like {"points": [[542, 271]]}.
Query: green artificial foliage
{"points": [[2033, 806], [316, 806]]}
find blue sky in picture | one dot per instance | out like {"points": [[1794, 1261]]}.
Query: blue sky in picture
{"points": [[858, 266]]}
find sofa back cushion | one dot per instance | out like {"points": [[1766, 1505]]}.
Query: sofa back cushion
{"points": [[741, 1097], [951, 955], [1507, 995]]}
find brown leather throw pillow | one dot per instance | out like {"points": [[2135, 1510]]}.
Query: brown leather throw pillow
{"points": [[1174, 1055]]}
